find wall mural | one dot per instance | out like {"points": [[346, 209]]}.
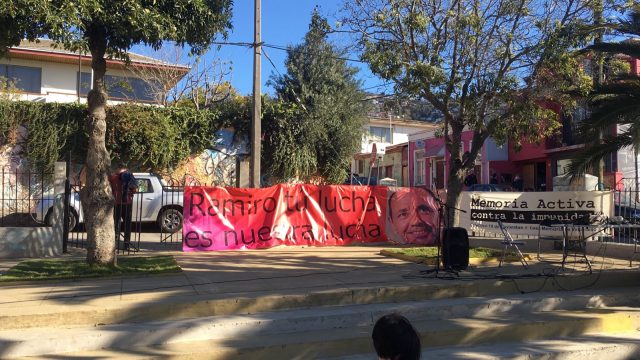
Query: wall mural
{"points": [[215, 167]]}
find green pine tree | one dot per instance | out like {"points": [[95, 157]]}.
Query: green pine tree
{"points": [[316, 125]]}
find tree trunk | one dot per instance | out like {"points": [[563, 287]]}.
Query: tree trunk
{"points": [[97, 198], [456, 175]]}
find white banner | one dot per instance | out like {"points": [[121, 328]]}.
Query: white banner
{"points": [[521, 213]]}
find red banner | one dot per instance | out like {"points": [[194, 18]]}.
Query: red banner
{"points": [[218, 218]]}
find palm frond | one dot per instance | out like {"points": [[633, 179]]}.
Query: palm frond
{"points": [[618, 110], [588, 158], [632, 25], [616, 102]]}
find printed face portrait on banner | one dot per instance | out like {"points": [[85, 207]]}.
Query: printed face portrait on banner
{"points": [[412, 216]]}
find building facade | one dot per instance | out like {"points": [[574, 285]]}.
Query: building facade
{"points": [[429, 160], [390, 136], [38, 71], [535, 163]]}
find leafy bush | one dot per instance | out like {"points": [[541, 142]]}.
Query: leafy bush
{"points": [[144, 137]]}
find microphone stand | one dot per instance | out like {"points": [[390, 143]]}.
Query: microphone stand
{"points": [[443, 220]]}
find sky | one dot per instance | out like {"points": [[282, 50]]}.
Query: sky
{"points": [[284, 22]]}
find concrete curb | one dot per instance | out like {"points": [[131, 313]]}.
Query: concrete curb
{"points": [[612, 346]]}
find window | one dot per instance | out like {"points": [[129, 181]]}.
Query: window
{"points": [[379, 134], [23, 78], [611, 162], [144, 186], [419, 172], [580, 113], [360, 166], [562, 166], [388, 171], [439, 174], [119, 87], [85, 83]]}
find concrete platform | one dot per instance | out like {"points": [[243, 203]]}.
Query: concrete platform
{"points": [[612, 346], [252, 283], [452, 322]]}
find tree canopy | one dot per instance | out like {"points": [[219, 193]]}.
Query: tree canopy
{"points": [[119, 24], [493, 67], [318, 125], [109, 28]]}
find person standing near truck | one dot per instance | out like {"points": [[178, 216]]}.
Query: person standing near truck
{"points": [[123, 186]]}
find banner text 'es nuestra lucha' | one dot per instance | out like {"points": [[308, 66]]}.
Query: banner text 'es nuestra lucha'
{"points": [[218, 218]]}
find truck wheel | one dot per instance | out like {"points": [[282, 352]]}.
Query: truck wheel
{"points": [[73, 219], [170, 220]]}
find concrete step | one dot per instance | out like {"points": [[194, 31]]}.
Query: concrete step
{"points": [[610, 346], [115, 309], [287, 324], [442, 335]]}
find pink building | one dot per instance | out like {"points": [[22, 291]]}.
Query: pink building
{"points": [[429, 161], [536, 164]]}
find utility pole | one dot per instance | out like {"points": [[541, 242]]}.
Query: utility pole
{"points": [[598, 78], [256, 129], [79, 72]]}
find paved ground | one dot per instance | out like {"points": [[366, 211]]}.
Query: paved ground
{"points": [[245, 291], [250, 274]]}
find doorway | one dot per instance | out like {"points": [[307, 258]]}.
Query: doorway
{"points": [[541, 176], [439, 174]]}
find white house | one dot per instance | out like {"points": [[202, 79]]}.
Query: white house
{"points": [[390, 135], [38, 71]]}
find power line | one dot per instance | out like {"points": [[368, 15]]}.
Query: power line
{"points": [[291, 85], [300, 102], [271, 62], [243, 44], [379, 85], [282, 48]]}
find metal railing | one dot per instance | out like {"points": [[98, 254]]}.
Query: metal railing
{"points": [[22, 191], [169, 225], [627, 206]]}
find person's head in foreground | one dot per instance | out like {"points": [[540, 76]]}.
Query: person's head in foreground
{"points": [[413, 217], [394, 338]]}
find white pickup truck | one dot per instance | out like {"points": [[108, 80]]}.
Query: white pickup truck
{"points": [[153, 202]]}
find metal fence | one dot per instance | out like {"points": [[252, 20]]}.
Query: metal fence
{"points": [[125, 227], [626, 208], [165, 233], [22, 191], [172, 217]]}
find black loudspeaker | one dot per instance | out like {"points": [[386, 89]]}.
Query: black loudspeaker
{"points": [[455, 249]]}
